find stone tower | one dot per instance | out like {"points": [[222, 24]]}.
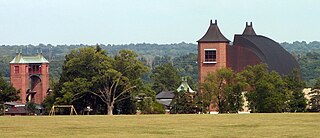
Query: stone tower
{"points": [[30, 75]]}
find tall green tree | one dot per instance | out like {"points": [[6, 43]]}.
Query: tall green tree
{"points": [[183, 103], [267, 92], [295, 85], [7, 92], [122, 77], [223, 89], [76, 83], [235, 91], [91, 77], [165, 78]]}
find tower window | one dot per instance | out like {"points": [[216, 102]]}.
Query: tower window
{"points": [[34, 68], [16, 69], [210, 56]]}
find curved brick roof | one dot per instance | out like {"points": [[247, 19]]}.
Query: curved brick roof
{"points": [[213, 34], [269, 51]]}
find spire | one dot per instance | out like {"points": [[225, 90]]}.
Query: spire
{"points": [[184, 87], [249, 30], [213, 34]]}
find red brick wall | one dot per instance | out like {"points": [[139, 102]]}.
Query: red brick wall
{"points": [[22, 81], [205, 68], [44, 79]]}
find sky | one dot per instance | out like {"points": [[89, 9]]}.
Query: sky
{"points": [[89, 22]]}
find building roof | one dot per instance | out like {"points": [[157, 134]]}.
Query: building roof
{"points": [[165, 102], [185, 87], [165, 95], [14, 104], [249, 30], [269, 51], [17, 110], [20, 59], [213, 34]]}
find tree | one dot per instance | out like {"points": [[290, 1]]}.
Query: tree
{"points": [[223, 89], [296, 85], [31, 108], [235, 97], [315, 97], [76, 83], [91, 77], [122, 77], [187, 66], [146, 102], [165, 77], [183, 103], [267, 90], [7, 92]]}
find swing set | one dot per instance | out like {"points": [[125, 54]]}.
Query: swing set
{"points": [[54, 107]]}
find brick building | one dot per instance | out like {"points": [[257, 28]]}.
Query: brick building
{"points": [[30, 74], [215, 51]]}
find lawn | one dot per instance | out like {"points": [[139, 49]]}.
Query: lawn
{"points": [[222, 125]]}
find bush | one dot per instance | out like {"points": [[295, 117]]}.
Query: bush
{"points": [[158, 108]]}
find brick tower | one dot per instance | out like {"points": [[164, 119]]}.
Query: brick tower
{"points": [[212, 55], [212, 51], [30, 74]]}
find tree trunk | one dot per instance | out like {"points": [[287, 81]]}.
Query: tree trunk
{"points": [[110, 109]]}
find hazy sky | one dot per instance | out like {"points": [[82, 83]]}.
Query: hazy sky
{"points": [[152, 21]]}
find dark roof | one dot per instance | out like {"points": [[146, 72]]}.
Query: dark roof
{"points": [[213, 34], [14, 104], [165, 95], [17, 110], [269, 51], [249, 30], [166, 102]]}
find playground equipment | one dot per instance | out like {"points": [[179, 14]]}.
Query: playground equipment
{"points": [[72, 109]]}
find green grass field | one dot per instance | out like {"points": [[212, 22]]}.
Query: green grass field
{"points": [[222, 125]]}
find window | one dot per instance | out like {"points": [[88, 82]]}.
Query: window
{"points": [[34, 68], [16, 69], [210, 55]]}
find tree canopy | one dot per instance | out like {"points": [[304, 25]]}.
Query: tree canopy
{"points": [[92, 78], [165, 78], [7, 92], [223, 89], [266, 91]]}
